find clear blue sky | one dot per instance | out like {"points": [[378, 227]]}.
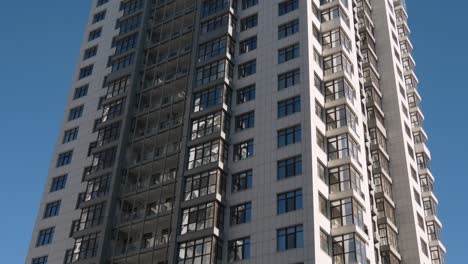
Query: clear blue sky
{"points": [[39, 48]]}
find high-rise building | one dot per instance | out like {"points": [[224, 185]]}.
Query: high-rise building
{"points": [[262, 131]]}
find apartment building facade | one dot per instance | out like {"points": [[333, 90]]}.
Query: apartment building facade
{"points": [[220, 131]]}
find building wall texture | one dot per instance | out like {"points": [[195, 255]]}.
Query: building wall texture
{"points": [[219, 131]]}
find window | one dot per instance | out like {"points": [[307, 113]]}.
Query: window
{"points": [[437, 255], [340, 116], [75, 113], [247, 69], [344, 178], [91, 52], [287, 6], [288, 136], [80, 92], [239, 249], [212, 6], [342, 146], [289, 167], [288, 29], [213, 71], [101, 2], [94, 34], [64, 158], [52, 209], [246, 94], [290, 238], [248, 45], [70, 135], [334, 13], [210, 97], [243, 150], [319, 111], [200, 185], [321, 141], [249, 22], [125, 44], [241, 181], [430, 206], [198, 217], [216, 23], [126, 25], [97, 187], [346, 212], [335, 38], [85, 72], [289, 201], [289, 106], [80, 199], [337, 63], [241, 213], [45, 236], [417, 197], [207, 153], [92, 216], [337, 89], [288, 53], [323, 205], [85, 247], [40, 260], [288, 79], [349, 248], [122, 63], [423, 161], [99, 16], [58, 183], [208, 125], [215, 47], [325, 242], [245, 121], [322, 171], [248, 3], [200, 251], [424, 247], [433, 231]]}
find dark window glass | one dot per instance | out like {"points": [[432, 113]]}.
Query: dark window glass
{"points": [[58, 183], [290, 237], [289, 201], [241, 181], [289, 167], [40, 260], [52, 209], [290, 135], [248, 45], [288, 29], [247, 69], [45, 236], [249, 22], [248, 3], [287, 6], [94, 34], [241, 213], [85, 72], [243, 150], [239, 249], [289, 106], [288, 79], [246, 94], [99, 16], [288, 53], [64, 158], [80, 92], [70, 135], [245, 121]]}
